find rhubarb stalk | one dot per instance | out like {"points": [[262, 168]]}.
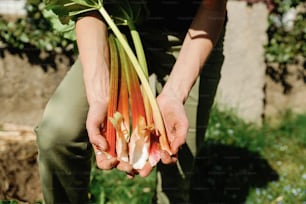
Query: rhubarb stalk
{"points": [[113, 96], [140, 136]]}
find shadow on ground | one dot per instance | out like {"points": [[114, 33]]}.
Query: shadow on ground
{"points": [[225, 174]]}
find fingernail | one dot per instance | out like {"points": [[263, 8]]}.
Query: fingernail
{"points": [[98, 153]]}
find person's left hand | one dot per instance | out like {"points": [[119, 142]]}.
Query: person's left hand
{"points": [[176, 124]]}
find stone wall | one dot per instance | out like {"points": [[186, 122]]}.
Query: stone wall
{"points": [[251, 88], [241, 88], [26, 83]]}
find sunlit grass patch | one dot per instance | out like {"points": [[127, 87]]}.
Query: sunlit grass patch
{"points": [[283, 145]]}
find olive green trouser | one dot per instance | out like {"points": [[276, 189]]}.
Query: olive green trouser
{"points": [[65, 153]]}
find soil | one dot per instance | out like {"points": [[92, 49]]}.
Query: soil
{"points": [[18, 164]]}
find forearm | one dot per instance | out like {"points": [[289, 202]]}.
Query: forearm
{"points": [[91, 33], [198, 43]]}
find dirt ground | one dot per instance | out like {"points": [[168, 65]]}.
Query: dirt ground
{"points": [[18, 164]]}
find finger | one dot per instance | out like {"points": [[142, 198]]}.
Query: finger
{"points": [[100, 142], [95, 134], [104, 160], [178, 141], [146, 170], [166, 158], [105, 163], [125, 167], [130, 176]]}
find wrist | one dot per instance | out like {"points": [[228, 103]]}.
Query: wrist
{"points": [[175, 91], [97, 86]]}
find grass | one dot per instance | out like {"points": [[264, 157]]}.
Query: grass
{"points": [[282, 146], [260, 165], [113, 187]]}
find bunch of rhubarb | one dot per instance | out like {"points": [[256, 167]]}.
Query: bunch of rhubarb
{"points": [[131, 132], [135, 129]]}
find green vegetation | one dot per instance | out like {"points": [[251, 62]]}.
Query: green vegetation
{"points": [[283, 146], [286, 32], [34, 31], [114, 187]]}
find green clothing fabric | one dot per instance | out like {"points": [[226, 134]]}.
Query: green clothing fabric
{"points": [[64, 150]]}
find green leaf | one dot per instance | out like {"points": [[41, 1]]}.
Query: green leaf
{"points": [[68, 9], [66, 29]]}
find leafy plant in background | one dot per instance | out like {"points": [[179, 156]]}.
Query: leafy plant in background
{"points": [[287, 32], [285, 51], [34, 31], [286, 47]]}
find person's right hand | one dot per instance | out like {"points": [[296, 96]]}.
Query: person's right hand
{"points": [[96, 128], [95, 125]]}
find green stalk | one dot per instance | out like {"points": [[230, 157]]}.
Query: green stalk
{"points": [[139, 50], [143, 63], [139, 142]]}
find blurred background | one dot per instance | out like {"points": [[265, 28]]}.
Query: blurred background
{"points": [[257, 131]]}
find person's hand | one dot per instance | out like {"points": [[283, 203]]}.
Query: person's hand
{"points": [[176, 124], [95, 125], [96, 128]]}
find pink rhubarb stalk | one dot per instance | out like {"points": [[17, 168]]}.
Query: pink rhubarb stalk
{"points": [[113, 97]]}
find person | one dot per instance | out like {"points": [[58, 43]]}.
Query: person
{"points": [[184, 52]]}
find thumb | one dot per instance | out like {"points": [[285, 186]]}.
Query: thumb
{"points": [[96, 138], [178, 141], [175, 145]]}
